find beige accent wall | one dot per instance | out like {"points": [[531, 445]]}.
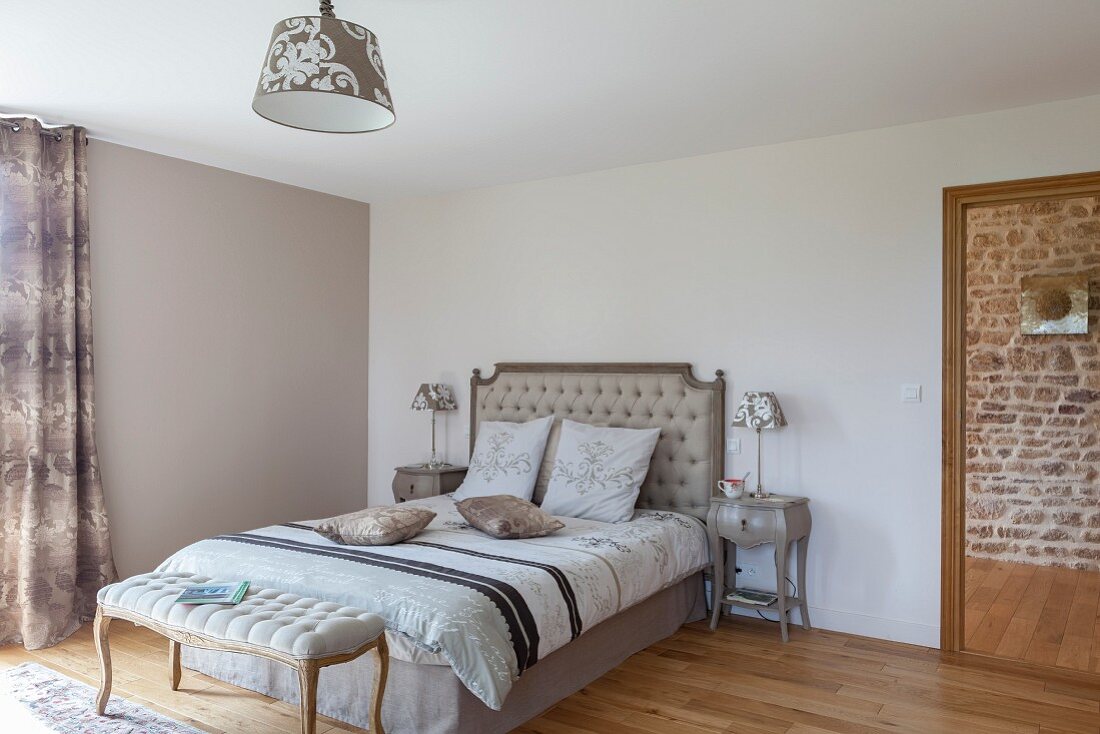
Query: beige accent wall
{"points": [[230, 318], [1033, 401], [811, 268]]}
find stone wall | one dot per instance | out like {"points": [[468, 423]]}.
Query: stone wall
{"points": [[1033, 401]]}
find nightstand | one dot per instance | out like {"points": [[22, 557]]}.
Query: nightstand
{"points": [[747, 523], [415, 482]]}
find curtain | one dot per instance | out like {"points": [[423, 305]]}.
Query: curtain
{"points": [[55, 550]]}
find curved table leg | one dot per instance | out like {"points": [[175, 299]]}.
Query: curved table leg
{"points": [[99, 631], [804, 606], [718, 567], [781, 574]]}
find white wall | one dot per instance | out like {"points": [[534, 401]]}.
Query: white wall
{"points": [[230, 327], [809, 268]]}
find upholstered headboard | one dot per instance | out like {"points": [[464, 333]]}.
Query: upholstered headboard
{"points": [[688, 460]]}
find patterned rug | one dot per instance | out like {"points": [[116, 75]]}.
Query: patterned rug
{"points": [[36, 700]]}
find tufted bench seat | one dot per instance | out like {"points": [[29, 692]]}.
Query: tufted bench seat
{"points": [[306, 634]]}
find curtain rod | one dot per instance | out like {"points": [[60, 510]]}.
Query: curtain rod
{"points": [[16, 127]]}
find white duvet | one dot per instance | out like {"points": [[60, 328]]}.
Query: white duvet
{"points": [[489, 608]]}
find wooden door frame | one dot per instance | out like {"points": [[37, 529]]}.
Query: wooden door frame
{"points": [[956, 201]]}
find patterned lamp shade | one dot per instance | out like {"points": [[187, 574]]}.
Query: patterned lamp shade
{"points": [[324, 74], [434, 396], [759, 410]]}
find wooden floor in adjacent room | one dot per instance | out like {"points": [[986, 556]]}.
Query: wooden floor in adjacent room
{"points": [[1041, 614], [740, 679]]}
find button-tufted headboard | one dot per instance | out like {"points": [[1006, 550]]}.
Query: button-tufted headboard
{"points": [[688, 460]]}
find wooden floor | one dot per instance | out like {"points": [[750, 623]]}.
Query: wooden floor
{"points": [[738, 680], [1041, 614]]}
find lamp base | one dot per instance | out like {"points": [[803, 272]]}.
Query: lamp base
{"points": [[434, 465], [760, 493]]}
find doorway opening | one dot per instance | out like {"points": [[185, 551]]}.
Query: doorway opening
{"points": [[1021, 421]]}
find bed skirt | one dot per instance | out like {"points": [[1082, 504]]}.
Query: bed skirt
{"points": [[429, 699]]}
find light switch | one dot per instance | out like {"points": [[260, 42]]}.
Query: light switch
{"points": [[733, 445], [910, 393]]}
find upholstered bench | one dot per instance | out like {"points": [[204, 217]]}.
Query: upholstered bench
{"points": [[306, 634]]}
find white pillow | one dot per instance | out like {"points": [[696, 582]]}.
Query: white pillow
{"points": [[599, 471], [506, 459]]}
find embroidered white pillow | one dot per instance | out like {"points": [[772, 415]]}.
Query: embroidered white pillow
{"points": [[599, 471], [506, 459]]}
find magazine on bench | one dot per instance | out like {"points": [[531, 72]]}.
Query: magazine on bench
{"points": [[213, 593]]}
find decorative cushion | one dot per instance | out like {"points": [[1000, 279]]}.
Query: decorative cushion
{"points": [[599, 471], [506, 459], [299, 626], [549, 456], [546, 468], [504, 516], [376, 525]]}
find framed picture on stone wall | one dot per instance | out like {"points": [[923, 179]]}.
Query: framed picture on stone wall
{"points": [[1054, 304]]}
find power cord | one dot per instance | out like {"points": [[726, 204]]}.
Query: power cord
{"points": [[794, 586]]}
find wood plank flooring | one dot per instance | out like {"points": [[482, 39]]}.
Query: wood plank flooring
{"points": [[1039, 614], [738, 680]]}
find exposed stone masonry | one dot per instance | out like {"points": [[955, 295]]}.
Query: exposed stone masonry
{"points": [[1033, 401]]}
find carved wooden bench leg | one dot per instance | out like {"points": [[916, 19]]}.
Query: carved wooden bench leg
{"points": [[102, 623], [307, 686], [378, 685], [174, 670]]}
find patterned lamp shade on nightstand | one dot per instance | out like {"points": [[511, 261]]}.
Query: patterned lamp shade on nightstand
{"points": [[759, 410], [434, 396]]}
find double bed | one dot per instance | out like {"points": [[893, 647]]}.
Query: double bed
{"points": [[484, 633]]}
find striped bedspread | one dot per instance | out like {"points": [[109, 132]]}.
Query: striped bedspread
{"points": [[491, 608]]}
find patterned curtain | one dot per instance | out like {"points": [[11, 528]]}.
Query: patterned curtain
{"points": [[55, 550]]}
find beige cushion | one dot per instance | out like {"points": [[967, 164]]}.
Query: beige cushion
{"points": [[506, 517], [377, 525], [302, 627]]}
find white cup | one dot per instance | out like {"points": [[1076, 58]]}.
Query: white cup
{"points": [[732, 488]]}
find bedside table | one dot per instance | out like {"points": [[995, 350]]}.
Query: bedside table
{"points": [[415, 482], [747, 523]]}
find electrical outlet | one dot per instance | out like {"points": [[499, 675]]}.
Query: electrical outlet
{"points": [[733, 445], [747, 570]]}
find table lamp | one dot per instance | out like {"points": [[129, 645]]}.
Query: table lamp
{"points": [[434, 396], [759, 410]]}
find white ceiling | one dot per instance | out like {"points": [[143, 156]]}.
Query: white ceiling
{"points": [[496, 91]]}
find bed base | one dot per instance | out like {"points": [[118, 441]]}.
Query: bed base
{"points": [[429, 699]]}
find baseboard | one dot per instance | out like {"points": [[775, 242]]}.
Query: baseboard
{"points": [[864, 625]]}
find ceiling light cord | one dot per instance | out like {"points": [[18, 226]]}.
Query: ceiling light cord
{"points": [[326, 9]]}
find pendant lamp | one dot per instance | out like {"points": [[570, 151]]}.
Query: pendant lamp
{"points": [[324, 74]]}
